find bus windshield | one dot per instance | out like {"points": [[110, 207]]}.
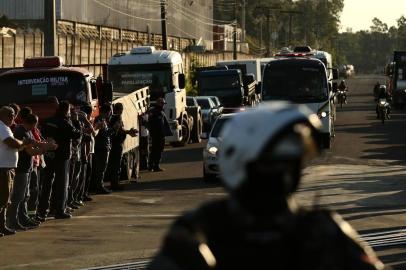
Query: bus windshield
{"points": [[298, 84], [128, 78], [34, 87]]}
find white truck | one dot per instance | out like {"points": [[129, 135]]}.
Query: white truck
{"points": [[163, 73]]}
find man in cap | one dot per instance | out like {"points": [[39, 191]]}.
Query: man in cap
{"points": [[158, 128]]}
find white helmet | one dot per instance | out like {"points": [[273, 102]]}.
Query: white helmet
{"points": [[246, 135]]}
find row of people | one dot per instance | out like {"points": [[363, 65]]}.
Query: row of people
{"points": [[57, 167]]}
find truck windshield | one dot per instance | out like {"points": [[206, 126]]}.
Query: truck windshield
{"points": [[298, 84], [128, 78], [213, 83], [25, 88]]}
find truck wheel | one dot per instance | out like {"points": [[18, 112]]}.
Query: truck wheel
{"points": [[327, 141], [130, 165], [208, 177], [136, 165], [185, 135], [197, 126], [126, 166]]}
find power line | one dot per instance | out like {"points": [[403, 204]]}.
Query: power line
{"points": [[124, 13], [197, 14]]}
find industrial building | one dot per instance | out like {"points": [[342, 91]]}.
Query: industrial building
{"points": [[192, 19]]}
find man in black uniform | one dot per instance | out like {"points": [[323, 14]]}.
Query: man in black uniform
{"points": [[102, 149], [260, 225], [158, 128], [56, 178], [117, 146]]}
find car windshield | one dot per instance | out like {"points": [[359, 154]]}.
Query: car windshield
{"points": [[301, 84], [190, 102], [204, 103], [218, 126], [216, 101], [33, 87], [126, 79], [218, 82]]}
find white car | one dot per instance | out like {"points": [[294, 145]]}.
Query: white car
{"points": [[210, 153]]}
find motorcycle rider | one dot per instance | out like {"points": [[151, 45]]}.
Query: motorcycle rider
{"points": [[343, 87], [376, 89], [383, 94], [260, 223]]}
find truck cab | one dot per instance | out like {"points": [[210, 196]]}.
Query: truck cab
{"points": [[396, 72], [303, 81], [227, 85], [163, 73], [45, 77]]}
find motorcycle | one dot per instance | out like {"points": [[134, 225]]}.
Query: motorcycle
{"points": [[341, 97], [383, 107]]}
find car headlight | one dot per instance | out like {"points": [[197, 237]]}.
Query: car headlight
{"points": [[212, 150], [323, 114]]}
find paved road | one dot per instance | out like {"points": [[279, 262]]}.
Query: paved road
{"points": [[362, 177]]}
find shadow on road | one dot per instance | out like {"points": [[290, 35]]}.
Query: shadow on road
{"points": [[389, 138], [181, 155], [174, 184]]}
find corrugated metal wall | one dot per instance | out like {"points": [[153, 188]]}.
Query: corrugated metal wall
{"points": [[186, 18], [23, 9]]}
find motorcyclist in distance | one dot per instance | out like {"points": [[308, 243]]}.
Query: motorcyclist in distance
{"points": [[260, 225], [383, 94], [343, 87]]}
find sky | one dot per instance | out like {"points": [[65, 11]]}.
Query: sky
{"points": [[358, 14]]}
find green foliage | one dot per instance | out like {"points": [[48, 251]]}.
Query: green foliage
{"points": [[369, 51], [191, 80]]}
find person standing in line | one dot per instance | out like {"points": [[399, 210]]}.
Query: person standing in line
{"points": [[61, 129], [158, 128], [9, 147], [17, 214], [102, 149], [144, 142], [117, 145], [75, 161], [87, 152]]}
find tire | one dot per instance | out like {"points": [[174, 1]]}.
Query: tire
{"points": [[383, 116], [326, 141], [127, 166], [185, 135], [207, 177], [195, 113]]}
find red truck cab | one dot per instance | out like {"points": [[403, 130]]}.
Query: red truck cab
{"points": [[40, 79]]}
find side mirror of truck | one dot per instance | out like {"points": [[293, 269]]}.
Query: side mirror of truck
{"points": [[335, 74], [106, 92], [335, 87], [182, 81]]}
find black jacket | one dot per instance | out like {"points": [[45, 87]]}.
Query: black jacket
{"points": [[158, 124], [219, 235], [61, 129]]}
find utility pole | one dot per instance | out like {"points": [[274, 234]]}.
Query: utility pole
{"points": [[266, 11], [243, 15], [290, 13], [235, 32], [163, 25], [49, 28]]}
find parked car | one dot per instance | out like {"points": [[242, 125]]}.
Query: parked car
{"points": [[209, 111], [210, 159], [217, 102]]}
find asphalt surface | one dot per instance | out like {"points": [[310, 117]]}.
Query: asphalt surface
{"points": [[362, 177]]}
